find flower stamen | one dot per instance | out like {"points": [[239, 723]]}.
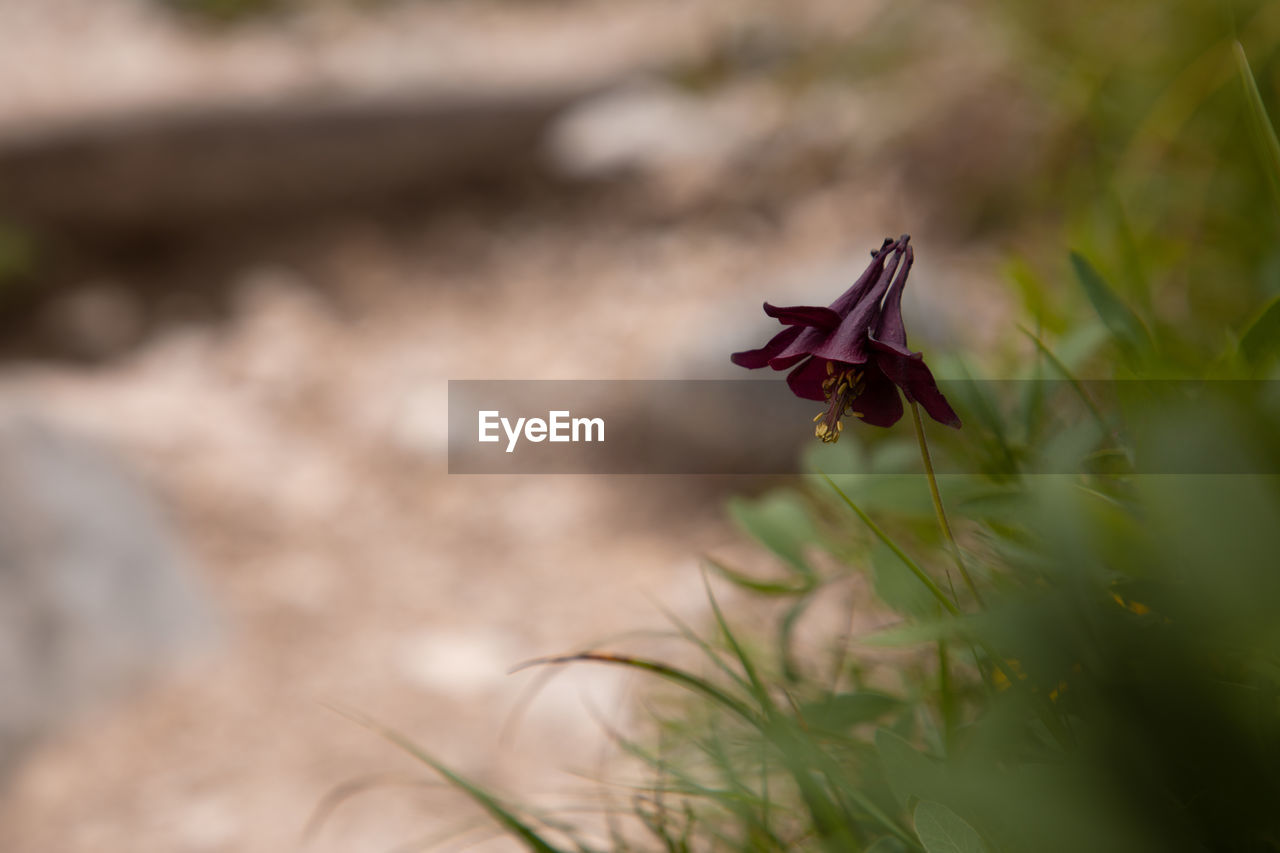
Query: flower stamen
{"points": [[841, 387]]}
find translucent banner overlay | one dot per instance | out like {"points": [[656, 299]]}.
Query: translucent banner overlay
{"points": [[759, 428]]}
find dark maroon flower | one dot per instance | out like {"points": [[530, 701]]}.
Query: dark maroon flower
{"points": [[853, 355]]}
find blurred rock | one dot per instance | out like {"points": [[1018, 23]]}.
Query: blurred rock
{"points": [[96, 595], [185, 167], [469, 663], [99, 320], [646, 127]]}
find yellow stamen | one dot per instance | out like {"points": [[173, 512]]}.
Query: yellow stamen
{"points": [[841, 388]]}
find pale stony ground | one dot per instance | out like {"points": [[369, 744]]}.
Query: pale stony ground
{"points": [[64, 59], [299, 447]]}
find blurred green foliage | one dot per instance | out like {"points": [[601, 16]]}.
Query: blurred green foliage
{"points": [[1157, 166], [1117, 688]]}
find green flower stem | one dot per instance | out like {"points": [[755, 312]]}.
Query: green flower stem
{"points": [[937, 504], [946, 699]]}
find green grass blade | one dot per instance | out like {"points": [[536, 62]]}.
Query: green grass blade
{"points": [[750, 808], [833, 825], [1076, 384], [1264, 130], [507, 819], [947, 702], [801, 756], [684, 784], [670, 673], [786, 631], [712, 654], [761, 587], [1125, 326], [349, 790], [758, 688], [1262, 338], [805, 758]]}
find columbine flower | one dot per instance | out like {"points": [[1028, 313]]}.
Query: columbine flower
{"points": [[853, 355]]}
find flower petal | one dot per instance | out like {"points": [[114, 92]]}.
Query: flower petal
{"points": [[879, 403], [908, 371], [890, 327], [863, 296], [804, 315], [806, 380], [859, 289], [848, 343], [756, 358], [800, 348]]}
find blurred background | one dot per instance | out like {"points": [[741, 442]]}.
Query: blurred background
{"points": [[245, 243]]}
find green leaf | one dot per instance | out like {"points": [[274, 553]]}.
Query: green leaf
{"points": [[1032, 290], [897, 588], [914, 633], [1123, 324], [943, 831], [1264, 131], [842, 711], [911, 565], [781, 523], [911, 774], [888, 844], [1262, 338]]}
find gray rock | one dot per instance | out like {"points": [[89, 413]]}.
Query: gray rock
{"points": [[221, 161], [96, 595]]}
